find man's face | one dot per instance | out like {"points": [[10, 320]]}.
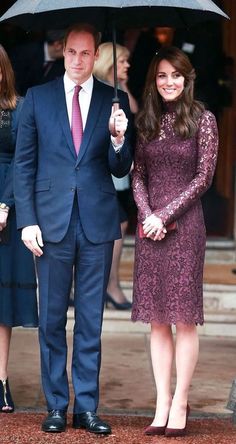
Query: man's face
{"points": [[79, 55]]}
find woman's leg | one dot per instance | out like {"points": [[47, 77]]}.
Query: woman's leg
{"points": [[113, 288], [5, 338], [187, 348], [162, 353]]}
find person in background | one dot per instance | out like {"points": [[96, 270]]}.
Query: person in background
{"points": [[103, 70], [174, 165], [18, 301], [39, 61], [68, 211]]}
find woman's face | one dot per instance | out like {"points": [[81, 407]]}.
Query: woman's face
{"points": [[169, 82], [122, 68]]}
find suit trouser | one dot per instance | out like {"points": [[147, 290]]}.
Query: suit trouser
{"points": [[90, 265]]}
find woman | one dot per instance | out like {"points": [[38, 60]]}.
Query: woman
{"points": [[18, 303], [174, 165], [104, 71]]}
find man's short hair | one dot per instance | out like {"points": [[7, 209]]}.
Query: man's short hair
{"points": [[84, 27]]}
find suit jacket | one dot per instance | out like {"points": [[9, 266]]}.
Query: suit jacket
{"points": [[28, 64], [48, 174]]}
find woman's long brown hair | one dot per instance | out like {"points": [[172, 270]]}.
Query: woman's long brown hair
{"points": [[187, 110], [8, 95]]}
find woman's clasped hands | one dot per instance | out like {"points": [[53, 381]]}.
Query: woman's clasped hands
{"points": [[154, 228]]}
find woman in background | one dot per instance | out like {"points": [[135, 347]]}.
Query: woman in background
{"points": [[174, 165], [18, 303], [104, 71]]}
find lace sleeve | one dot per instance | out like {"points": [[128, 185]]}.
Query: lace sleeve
{"points": [[207, 140], [139, 183]]}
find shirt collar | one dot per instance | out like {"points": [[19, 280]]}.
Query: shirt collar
{"points": [[47, 57], [69, 84]]}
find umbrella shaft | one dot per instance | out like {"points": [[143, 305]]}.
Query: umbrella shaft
{"points": [[115, 99]]}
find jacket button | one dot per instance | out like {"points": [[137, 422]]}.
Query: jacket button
{"points": [[72, 189]]}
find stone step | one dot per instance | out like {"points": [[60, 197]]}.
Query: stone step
{"points": [[114, 321], [219, 298], [216, 324], [219, 310], [219, 324]]}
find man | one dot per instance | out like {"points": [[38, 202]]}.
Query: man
{"points": [[67, 210], [38, 62]]}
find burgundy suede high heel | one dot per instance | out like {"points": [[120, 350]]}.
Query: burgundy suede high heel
{"points": [[174, 433], [155, 430]]}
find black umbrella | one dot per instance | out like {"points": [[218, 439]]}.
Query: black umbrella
{"points": [[38, 14], [121, 14]]}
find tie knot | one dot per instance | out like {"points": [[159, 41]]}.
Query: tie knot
{"points": [[77, 89]]}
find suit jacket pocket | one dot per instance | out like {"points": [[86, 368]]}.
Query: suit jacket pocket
{"points": [[42, 185]]}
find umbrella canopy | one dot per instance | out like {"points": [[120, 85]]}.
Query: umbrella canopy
{"points": [[45, 14]]}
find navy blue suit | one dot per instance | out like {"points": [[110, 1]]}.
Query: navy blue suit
{"points": [[74, 202]]}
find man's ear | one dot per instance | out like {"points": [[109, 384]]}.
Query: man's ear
{"points": [[97, 54]]}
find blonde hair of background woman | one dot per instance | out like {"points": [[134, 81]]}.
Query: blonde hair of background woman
{"points": [[103, 69], [104, 63]]}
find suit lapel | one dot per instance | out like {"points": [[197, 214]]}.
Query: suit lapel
{"points": [[63, 114]]}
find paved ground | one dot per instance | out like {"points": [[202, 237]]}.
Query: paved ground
{"points": [[126, 375], [127, 393]]}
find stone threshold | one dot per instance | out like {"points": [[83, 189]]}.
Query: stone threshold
{"points": [[114, 321]]}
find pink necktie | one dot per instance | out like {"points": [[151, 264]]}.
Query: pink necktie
{"points": [[76, 124]]}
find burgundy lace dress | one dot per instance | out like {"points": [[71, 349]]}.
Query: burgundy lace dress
{"points": [[169, 178]]}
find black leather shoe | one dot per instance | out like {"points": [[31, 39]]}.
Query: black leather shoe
{"points": [[55, 421], [91, 422]]}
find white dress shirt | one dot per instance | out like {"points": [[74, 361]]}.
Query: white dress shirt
{"points": [[84, 97]]}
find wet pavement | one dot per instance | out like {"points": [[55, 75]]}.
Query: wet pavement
{"points": [[126, 382], [127, 393]]}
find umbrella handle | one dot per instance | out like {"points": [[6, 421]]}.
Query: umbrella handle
{"points": [[112, 125]]}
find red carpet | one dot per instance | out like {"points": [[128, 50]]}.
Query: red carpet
{"points": [[24, 428]]}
